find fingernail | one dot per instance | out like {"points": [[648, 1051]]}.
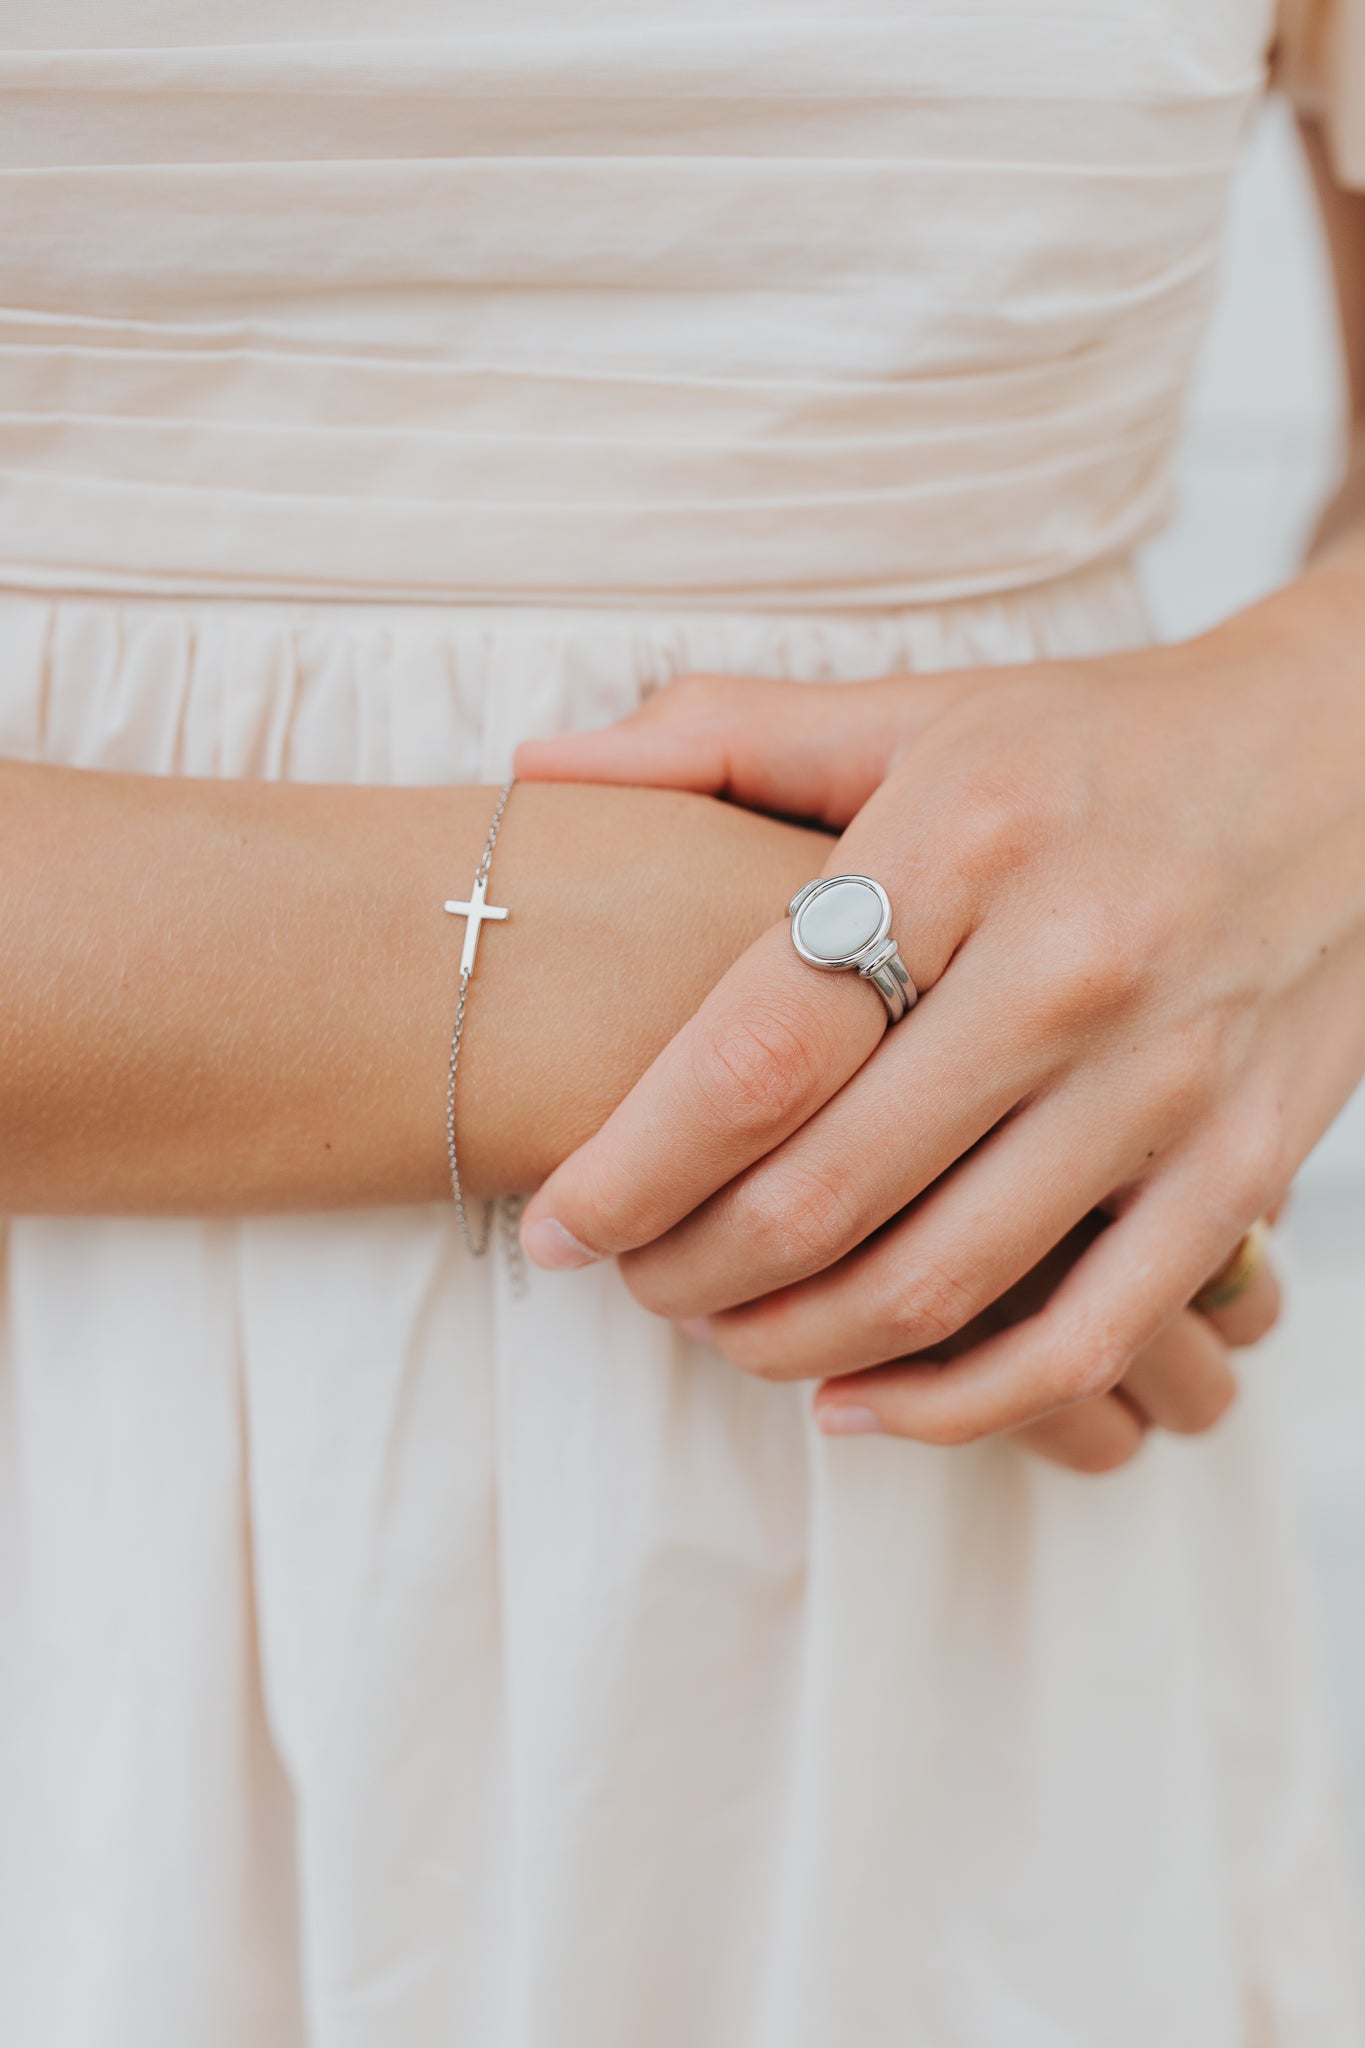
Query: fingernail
{"points": [[547, 1243], [698, 1327], [842, 1418]]}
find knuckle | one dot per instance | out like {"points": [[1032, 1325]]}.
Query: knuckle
{"points": [[1085, 1364], [756, 1071], [1253, 1166], [1096, 961], [924, 1305], [797, 1219], [1001, 823], [1185, 1071]]}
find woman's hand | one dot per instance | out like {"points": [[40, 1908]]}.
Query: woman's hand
{"points": [[1133, 892], [1182, 1382]]}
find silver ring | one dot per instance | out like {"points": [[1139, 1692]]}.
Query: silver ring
{"points": [[844, 922]]}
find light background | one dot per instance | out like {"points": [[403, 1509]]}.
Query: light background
{"points": [[1262, 448]]}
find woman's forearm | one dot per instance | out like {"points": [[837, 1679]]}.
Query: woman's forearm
{"points": [[225, 997]]}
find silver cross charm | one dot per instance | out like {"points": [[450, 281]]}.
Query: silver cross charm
{"points": [[476, 910]]}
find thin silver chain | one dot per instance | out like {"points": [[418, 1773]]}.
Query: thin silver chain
{"points": [[510, 1209]]}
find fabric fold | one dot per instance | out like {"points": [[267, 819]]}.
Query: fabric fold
{"points": [[769, 312]]}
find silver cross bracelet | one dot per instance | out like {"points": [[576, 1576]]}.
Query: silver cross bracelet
{"points": [[477, 912]]}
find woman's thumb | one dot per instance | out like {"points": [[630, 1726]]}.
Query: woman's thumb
{"points": [[801, 750]]}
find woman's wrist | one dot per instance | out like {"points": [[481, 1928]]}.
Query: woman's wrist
{"points": [[231, 997], [1278, 692], [627, 907]]}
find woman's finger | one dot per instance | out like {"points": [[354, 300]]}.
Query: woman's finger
{"points": [[1255, 1310], [770, 1045], [1094, 1436], [836, 1180], [976, 1233], [766, 1049], [1182, 1380], [1133, 1280], [807, 750]]}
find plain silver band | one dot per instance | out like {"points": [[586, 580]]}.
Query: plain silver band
{"points": [[888, 975]]}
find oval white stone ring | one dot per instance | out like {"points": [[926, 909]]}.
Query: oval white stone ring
{"points": [[844, 922]]}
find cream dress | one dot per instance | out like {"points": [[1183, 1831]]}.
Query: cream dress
{"points": [[386, 1661]]}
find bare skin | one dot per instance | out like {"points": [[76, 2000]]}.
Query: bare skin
{"points": [[1138, 890], [223, 997]]}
